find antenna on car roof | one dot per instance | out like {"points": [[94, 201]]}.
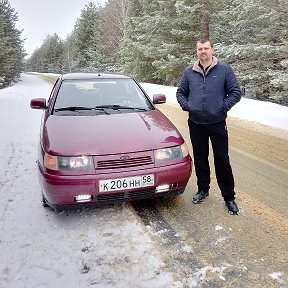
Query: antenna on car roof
{"points": [[99, 74]]}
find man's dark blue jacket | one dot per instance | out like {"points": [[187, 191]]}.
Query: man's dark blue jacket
{"points": [[208, 97]]}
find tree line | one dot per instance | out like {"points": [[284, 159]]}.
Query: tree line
{"points": [[154, 40]]}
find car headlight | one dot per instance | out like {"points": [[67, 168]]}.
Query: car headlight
{"points": [[66, 163], [171, 153]]}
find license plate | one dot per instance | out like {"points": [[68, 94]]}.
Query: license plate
{"points": [[126, 183]]}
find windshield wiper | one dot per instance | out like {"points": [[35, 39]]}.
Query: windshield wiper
{"points": [[118, 107], [80, 108], [73, 108], [102, 108]]}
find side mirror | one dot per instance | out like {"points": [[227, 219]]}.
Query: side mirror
{"points": [[159, 98], [38, 103]]}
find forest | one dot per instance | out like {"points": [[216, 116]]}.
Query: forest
{"points": [[154, 40]]}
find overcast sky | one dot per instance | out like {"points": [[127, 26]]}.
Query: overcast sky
{"points": [[38, 18]]}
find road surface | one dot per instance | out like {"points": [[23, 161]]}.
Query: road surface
{"points": [[249, 245], [150, 244]]}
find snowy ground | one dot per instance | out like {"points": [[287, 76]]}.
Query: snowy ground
{"points": [[95, 247], [42, 248]]}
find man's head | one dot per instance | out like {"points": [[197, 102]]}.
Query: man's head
{"points": [[205, 50]]}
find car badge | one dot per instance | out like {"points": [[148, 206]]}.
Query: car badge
{"points": [[124, 157]]}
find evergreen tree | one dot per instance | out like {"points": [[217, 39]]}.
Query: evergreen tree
{"points": [[161, 38], [131, 56], [11, 45], [184, 22], [141, 43], [250, 36], [52, 50], [88, 44], [48, 58]]}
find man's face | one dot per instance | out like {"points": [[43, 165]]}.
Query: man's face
{"points": [[204, 51]]}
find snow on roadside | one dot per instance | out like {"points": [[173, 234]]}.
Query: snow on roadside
{"points": [[42, 248], [266, 113]]}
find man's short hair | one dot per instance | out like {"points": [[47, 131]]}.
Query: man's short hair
{"points": [[203, 40]]}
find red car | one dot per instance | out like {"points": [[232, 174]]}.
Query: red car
{"points": [[102, 140]]}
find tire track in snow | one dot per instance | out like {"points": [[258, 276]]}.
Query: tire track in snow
{"points": [[178, 255], [193, 270]]}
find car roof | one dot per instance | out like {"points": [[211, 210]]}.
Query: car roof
{"points": [[90, 75]]}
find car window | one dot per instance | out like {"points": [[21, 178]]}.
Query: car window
{"points": [[101, 92]]}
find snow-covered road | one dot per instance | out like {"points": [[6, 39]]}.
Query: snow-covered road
{"points": [[111, 247], [39, 247]]}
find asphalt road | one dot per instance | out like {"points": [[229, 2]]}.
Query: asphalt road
{"points": [[250, 249]]}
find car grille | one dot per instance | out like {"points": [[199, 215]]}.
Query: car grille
{"points": [[132, 195], [117, 163]]}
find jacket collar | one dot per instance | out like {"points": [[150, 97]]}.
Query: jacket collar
{"points": [[199, 70]]}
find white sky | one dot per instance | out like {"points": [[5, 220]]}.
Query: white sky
{"points": [[38, 18]]}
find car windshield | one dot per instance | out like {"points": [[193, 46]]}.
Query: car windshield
{"points": [[117, 95]]}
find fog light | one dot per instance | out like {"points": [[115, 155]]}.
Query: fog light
{"points": [[162, 188], [83, 198]]}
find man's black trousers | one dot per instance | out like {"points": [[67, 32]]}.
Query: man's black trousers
{"points": [[218, 135]]}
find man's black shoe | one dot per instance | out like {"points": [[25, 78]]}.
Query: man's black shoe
{"points": [[232, 207], [199, 197]]}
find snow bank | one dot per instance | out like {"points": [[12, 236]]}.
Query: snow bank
{"points": [[266, 113]]}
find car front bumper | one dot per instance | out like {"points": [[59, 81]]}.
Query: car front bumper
{"points": [[60, 191]]}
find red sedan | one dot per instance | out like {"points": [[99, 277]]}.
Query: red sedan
{"points": [[102, 140]]}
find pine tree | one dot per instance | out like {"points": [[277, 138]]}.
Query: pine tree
{"points": [[11, 45], [184, 22], [133, 59], [250, 36], [88, 44], [48, 58], [161, 38]]}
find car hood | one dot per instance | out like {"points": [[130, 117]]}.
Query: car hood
{"points": [[108, 134]]}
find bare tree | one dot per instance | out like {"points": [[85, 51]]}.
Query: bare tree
{"points": [[114, 24]]}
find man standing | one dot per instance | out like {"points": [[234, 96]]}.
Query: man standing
{"points": [[207, 90]]}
